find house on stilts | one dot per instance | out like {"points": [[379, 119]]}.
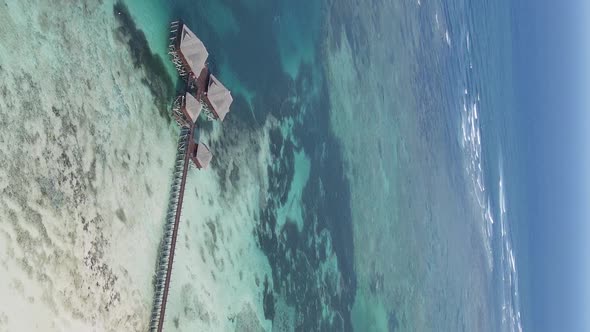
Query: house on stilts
{"points": [[186, 109], [187, 52], [216, 99], [200, 154], [204, 94], [189, 55]]}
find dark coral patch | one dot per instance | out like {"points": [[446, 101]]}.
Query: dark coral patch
{"points": [[269, 301], [292, 253]]}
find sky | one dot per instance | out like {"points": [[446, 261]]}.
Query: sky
{"points": [[551, 62]]}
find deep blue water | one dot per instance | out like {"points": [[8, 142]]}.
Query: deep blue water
{"points": [[471, 83], [483, 67]]}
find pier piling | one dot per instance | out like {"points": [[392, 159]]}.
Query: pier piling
{"points": [[164, 269]]}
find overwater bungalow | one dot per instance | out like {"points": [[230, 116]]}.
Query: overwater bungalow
{"points": [[216, 99], [186, 109], [203, 93], [199, 152], [189, 56], [188, 52], [200, 155]]}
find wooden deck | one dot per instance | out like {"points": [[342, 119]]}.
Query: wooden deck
{"points": [[197, 86], [186, 166]]}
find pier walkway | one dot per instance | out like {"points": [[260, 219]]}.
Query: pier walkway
{"points": [[205, 93], [166, 255]]}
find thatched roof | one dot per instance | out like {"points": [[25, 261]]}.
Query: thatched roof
{"points": [[219, 97], [193, 50], [192, 107], [203, 156]]}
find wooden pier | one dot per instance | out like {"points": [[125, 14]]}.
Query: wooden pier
{"points": [[189, 56], [164, 272]]}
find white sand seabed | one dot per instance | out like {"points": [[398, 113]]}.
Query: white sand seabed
{"points": [[219, 272], [85, 169]]}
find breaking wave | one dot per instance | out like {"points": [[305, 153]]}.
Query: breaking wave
{"points": [[494, 223], [507, 269]]}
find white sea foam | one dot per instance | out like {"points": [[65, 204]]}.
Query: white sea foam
{"points": [[511, 316], [349, 123], [471, 143], [505, 266]]}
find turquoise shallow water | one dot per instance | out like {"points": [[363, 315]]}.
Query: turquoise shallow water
{"points": [[271, 64], [355, 184]]}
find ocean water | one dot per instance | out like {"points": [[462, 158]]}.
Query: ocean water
{"points": [[364, 180]]}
